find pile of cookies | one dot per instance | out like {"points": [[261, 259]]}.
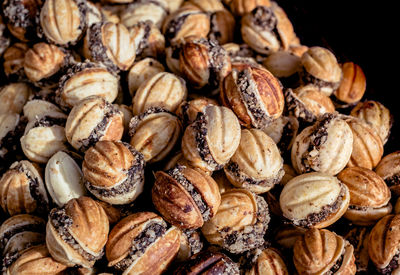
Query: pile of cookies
{"points": [[187, 137]]}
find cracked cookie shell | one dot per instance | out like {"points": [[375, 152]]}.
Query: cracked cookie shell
{"points": [[154, 133], [44, 136], [321, 69], [253, 94], [186, 197], [92, 120], [314, 200], [353, 84], [369, 196], [257, 164], [208, 263], [63, 178], [320, 251], [22, 190], [164, 90], [240, 222], [110, 44], [326, 146], [18, 233], [389, 170], [384, 244], [83, 80], [76, 233], [212, 139], [63, 21], [375, 115], [114, 172], [204, 63], [142, 243]]}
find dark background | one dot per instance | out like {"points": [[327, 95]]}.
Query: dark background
{"points": [[363, 32]]}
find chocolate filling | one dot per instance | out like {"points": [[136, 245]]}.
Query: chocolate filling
{"points": [[297, 108], [42, 202], [215, 32], [264, 17], [143, 44], [11, 257], [184, 109], [196, 245], [97, 49], [393, 265], [10, 142], [135, 175], [251, 99], [176, 173], [201, 129], [317, 139], [48, 121], [61, 223], [31, 227], [393, 180], [336, 266], [360, 208], [234, 169], [288, 134], [148, 236], [251, 236], [135, 121], [98, 132], [327, 210], [175, 25], [308, 78]]}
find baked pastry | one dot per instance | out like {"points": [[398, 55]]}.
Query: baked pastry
{"points": [[142, 243], [127, 116], [14, 61], [240, 54], [240, 223], [324, 147], [63, 178], [164, 90], [314, 200], [369, 196], [257, 164], [241, 7], [140, 11], [266, 29], [141, 71], [283, 64], [10, 132], [17, 234], [63, 22], [37, 107], [185, 197], [44, 63], [212, 139], [83, 80], [4, 38], [92, 120], [307, 103], [114, 172], [389, 170], [203, 62], [94, 14], [287, 235], [44, 136], [190, 244], [253, 94], [22, 17], [375, 115], [383, 245], [22, 190], [77, 232], [222, 26], [148, 39], [188, 110], [110, 44], [264, 261], [186, 22], [36, 260], [321, 251], [353, 84], [207, 263], [321, 69], [154, 133], [367, 145], [14, 96], [358, 237], [283, 132]]}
